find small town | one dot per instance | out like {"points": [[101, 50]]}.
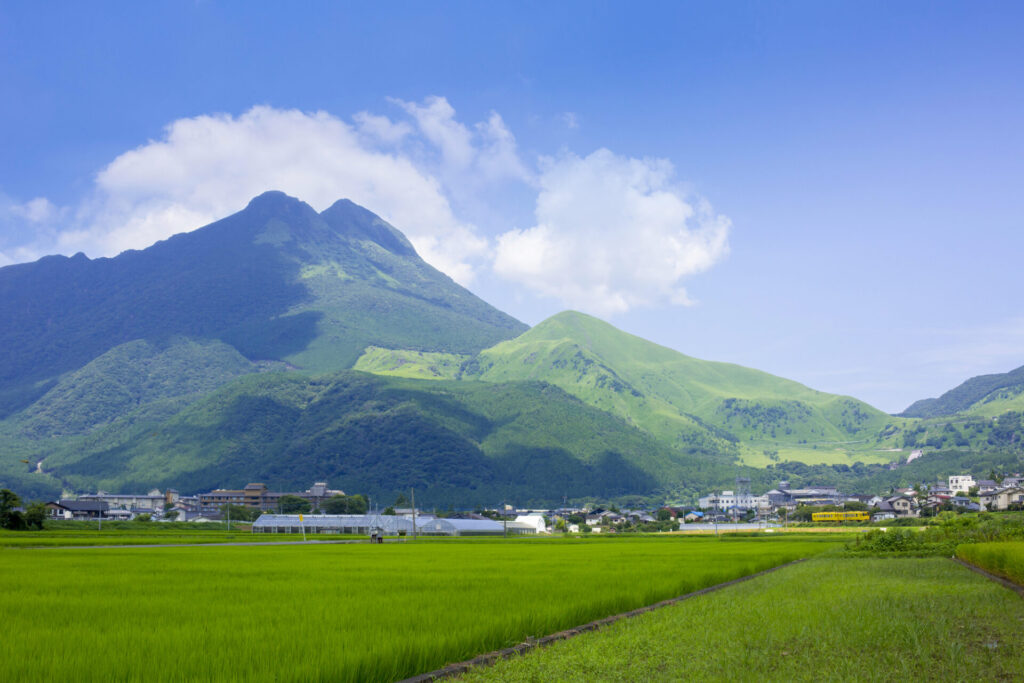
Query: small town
{"points": [[320, 509]]}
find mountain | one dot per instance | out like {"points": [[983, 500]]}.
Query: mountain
{"points": [[984, 395], [276, 281], [285, 345], [690, 405]]}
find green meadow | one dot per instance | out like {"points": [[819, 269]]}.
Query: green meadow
{"points": [[356, 612], [828, 619]]}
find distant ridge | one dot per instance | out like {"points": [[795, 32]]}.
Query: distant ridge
{"points": [[968, 394]]}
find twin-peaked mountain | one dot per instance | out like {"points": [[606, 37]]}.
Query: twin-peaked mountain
{"points": [[276, 281], [286, 346]]}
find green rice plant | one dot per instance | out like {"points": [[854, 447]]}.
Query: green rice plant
{"points": [[362, 612], [1004, 559], [828, 619]]}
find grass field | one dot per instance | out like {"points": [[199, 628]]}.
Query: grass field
{"points": [[828, 619], [334, 612], [1004, 559]]}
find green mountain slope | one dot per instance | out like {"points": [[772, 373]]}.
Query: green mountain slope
{"points": [[277, 281], [983, 395], [456, 442], [128, 377], [689, 404]]}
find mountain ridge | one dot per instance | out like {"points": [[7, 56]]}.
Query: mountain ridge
{"points": [[967, 394]]}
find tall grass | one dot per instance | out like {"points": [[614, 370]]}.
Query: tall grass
{"points": [[1004, 559], [339, 613]]}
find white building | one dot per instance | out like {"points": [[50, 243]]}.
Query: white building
{"points": [[726, 500], [961, 483]]}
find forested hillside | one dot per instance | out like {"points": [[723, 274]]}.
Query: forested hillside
{"points": [[456, 442]]}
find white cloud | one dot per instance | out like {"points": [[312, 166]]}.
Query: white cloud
{"points": [[570, 120], [207, 167], [381, 128], [612, 233], [468, 156]]}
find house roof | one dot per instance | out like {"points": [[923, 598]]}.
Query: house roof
{"points": [[84, 505]]}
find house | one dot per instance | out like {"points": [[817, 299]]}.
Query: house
{"points": [[1003, 498], [901, 505], [965, 503], [693, 516], [985, 485], [574, 528], [77, 509]]}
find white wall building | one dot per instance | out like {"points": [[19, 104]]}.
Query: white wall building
{"points": [[729, 499], [961, 483]]}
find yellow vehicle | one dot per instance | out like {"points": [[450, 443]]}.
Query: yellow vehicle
{"points": [[841, 516]]}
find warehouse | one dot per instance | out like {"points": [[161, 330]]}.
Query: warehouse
{"points": [[363, 525]]}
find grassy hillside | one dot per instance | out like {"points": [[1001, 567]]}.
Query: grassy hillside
{"points": [[690, 404], [456, 442], [412, 364]]}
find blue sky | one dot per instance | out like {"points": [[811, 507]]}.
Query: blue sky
{"points": [[830, 192]]}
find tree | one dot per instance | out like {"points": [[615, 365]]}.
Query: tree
{"points": [[664, 515], [239, 513], [171, 515], [345, 505], [389, 511], [9, 517], [402, 501], [144, 517], [35, 515], [293, 505]]}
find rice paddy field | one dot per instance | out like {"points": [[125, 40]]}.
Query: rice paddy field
{"points": [[828, 619], [1004, 559], [60, 534], [361, 612]]}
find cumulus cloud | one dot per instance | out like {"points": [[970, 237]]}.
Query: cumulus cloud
{"points": [[612, 233]]}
